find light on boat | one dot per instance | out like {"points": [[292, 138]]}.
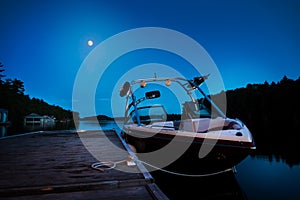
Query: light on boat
{"points": [[143, 84], [168, 82]]}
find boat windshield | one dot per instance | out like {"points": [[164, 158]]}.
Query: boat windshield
{"points": [[194, 110], [149, 114]]}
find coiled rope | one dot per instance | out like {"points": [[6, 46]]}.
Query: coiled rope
{"points": [[106, 165]]}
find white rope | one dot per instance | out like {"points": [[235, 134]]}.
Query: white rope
{"points": [[190, 175], [106, 165]]}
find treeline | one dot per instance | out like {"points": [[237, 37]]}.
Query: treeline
{"points": [[19, 105], [266, 107], [99, 118], [272, 113]]}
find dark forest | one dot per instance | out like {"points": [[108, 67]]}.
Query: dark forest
{"points": [[271, 112], [19, 105]]}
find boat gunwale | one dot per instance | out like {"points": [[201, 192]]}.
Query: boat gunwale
{"points": [[197, 137]]}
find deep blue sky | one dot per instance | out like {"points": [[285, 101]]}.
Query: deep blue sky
{"points": [[43, 43]]}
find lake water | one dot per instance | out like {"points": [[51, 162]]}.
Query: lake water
{"points": [[262, 179]]}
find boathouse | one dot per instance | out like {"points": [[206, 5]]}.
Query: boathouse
{"points": [[34, 119]]}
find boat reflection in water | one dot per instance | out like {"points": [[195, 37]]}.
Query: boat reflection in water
{"points": [[221, 186]]}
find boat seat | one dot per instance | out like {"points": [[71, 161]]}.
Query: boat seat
{"points": [[167, 125], [203, 125]]}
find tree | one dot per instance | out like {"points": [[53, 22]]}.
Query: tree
{"points": [[18, 86], [1, 72]]}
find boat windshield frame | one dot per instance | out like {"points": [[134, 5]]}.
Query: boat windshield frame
{"points": [[187, 85]]}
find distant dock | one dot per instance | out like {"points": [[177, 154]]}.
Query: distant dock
{"points": [[56, 165]]}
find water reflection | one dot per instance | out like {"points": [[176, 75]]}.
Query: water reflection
{"points": [[286, 152], [103, 125], [11, 130], [4, 123], [262, 179], [222, 186], [3, 131]]}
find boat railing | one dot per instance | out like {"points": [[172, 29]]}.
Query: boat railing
{"points": [[187, 85]]}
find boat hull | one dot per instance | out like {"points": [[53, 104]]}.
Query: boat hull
{"points": [[222, 155]]}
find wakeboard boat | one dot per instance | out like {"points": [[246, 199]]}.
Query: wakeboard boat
{"points": [[199, 140]]}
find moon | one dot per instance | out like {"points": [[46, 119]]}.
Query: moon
{"points": [[90, 43]]}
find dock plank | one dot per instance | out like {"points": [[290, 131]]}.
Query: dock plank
{"points": [[54, 165], [138, 192]]}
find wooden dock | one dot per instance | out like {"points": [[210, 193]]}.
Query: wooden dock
{"points": [[57, 165]]}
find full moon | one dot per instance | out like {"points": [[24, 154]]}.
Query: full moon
{"points": [[90, 43]]}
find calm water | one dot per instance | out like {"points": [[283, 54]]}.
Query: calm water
{"points": [[94, 125], [262, 179], [256, 178]]}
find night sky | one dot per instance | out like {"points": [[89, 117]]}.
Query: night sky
{"points": [[44, 43]]}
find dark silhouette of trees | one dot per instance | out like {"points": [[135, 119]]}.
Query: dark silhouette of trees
{"points": [[1, 72], [19, 105], [266, 107], [271, 112]]}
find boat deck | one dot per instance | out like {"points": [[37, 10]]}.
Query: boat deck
{"points": [[56, 165]]}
